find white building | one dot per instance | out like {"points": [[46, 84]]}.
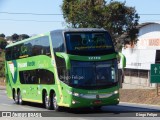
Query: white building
{"points": [[140, 56]]}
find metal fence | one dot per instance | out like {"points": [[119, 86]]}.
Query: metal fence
{"points": [[137, 73]]}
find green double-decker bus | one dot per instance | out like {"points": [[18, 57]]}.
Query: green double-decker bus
{"points": [[64, 68]]}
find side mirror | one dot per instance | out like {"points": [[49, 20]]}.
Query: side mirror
{"points": [[120, 77], [122, 60], [122, 65]]}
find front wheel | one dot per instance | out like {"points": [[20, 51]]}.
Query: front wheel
{"points": [[20, 98]]}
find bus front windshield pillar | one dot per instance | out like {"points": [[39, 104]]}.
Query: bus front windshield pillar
{"points": [[66, 58]]}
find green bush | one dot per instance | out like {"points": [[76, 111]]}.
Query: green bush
{"points": [[2, 72]]}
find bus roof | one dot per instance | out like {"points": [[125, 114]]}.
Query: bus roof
{"points": [[79, 30], [22, 41]]}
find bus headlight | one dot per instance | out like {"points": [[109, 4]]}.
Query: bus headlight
{"points": [[116, 92], [74, 93]]}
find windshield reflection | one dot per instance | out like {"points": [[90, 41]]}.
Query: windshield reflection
{"points": [[91, 74]]}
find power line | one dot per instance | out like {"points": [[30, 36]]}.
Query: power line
{"points": [[29, 13], [149, 14], [29, 20], [22, 13]]}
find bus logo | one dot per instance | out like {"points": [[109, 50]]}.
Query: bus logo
{"points": [[94, 58], [11, 67]]}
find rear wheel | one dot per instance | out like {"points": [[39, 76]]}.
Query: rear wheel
{"points": [[55, 104], [15, 97], [47, 101]]}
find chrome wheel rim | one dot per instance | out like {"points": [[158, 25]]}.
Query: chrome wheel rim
{"points": [[46, 101], [20, 98], [15, 97], [55, 102]]}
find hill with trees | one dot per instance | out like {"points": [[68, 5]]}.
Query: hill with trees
{"points": [[4, 40]]}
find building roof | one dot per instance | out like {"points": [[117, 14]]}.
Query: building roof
{"points": [[146, 23]]}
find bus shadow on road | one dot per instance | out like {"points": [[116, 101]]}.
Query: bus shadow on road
{"points": [[32, 104], [105, 111], [115, 109]]}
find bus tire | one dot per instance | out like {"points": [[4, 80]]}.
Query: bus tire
{"points": [[20, 98], [56, 107], [15, 97], [47, 101]]}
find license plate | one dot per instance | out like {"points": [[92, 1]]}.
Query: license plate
{"points": [[97, 102]]}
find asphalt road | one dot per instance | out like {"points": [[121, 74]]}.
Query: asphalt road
{"points": [[120, 112]]}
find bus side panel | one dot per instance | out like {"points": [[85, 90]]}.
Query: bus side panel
{"points": [[8, 81]]}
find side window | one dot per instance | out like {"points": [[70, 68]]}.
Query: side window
{"points": [[41, 46], [16, 51], [44, 41], [28, 46], [57, 41], [62, 71], [36, 50], [13, 53], [38, 76], [22, 77], [23, 51], [46, 77], [8, 54], [28, 77], [38, 46]]}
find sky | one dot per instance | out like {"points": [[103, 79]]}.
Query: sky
{"points": [[36, 24]]}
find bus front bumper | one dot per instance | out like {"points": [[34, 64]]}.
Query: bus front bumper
{"points": [[79, 102]]}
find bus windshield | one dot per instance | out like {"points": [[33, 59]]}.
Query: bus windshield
{"points": [[91, 74], [89, 42]]}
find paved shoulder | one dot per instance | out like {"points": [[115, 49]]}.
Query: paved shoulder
{"points": [[2, 87]]}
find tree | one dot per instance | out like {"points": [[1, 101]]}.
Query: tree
{"points": [[23, 36], [15, 37], [117, 18], [8, 38], [2, 35], [3, 43]]}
